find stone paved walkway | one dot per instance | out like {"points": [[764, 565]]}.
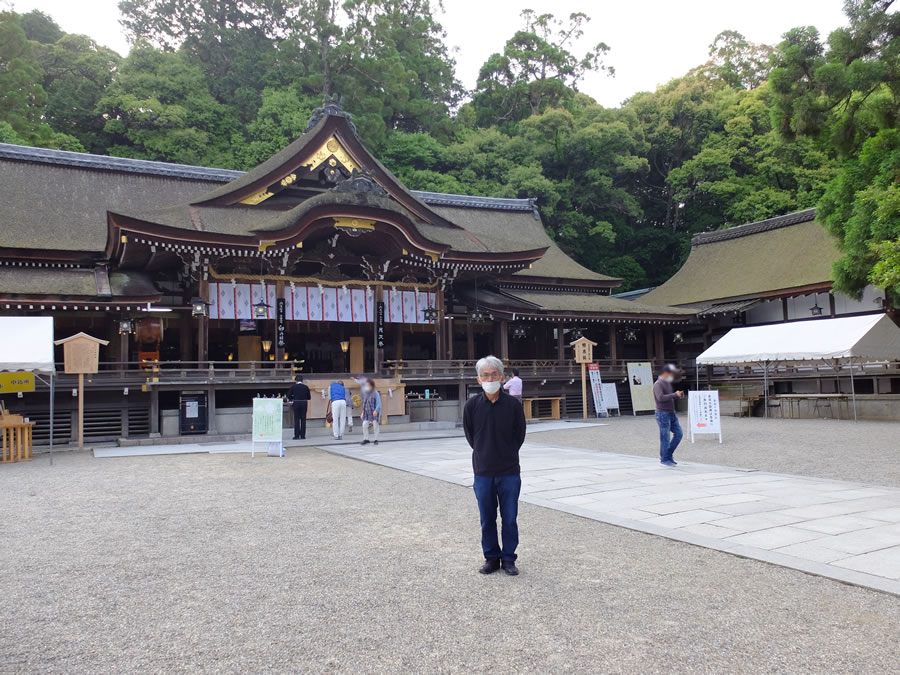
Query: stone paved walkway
{"points": [[842, 530]]}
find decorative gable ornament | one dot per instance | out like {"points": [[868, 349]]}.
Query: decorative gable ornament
{"points": [[331, 105], [361, 182]]}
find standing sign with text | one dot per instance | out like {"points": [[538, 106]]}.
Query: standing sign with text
{"points": [[280, 321], [379, 325], [267, 422], [703, 413], [640, 382], [594, 373], [610, 397]]}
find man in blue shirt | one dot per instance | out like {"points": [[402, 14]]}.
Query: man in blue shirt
{"points": [[337, 394]]}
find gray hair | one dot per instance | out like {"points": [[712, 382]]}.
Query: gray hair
{"points": [[488, 362]]}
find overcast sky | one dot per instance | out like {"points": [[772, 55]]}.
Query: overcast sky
{"points": [[651, 41]]}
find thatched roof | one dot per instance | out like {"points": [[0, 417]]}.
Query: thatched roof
{"points": [[595, 304], [787, 252], [71, 283]]}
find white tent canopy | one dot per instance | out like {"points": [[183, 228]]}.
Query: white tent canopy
{"points": [[852, 339], [858, 338], [26, 343]]}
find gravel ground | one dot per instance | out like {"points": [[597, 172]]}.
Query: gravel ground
{"points": [[317, 563], [867, 452]]}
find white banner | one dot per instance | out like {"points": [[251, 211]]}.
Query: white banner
{"points": [[594, 373], [311, 303], [703, 413]]}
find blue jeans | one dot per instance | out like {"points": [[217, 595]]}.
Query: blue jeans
{"points": [[668, 422], [502, 491]]}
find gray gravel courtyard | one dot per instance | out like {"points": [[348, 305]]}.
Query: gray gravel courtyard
{"points": [[317, 563], [865, 451]]}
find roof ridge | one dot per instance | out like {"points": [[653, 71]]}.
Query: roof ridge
{"points": [[755, 227], [190, 171]]}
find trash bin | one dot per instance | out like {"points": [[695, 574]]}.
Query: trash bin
{"points": [[193, 413]]}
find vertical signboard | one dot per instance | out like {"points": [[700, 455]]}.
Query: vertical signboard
{"points": [[379, 325], [267, 420], [703, 413], [640, 382], [610, 397], [280, 321], [594, 373]]}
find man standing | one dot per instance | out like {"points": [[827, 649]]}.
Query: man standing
{"points": [[494, 424], [514, 385], [337, 394], [299, 397], [665, 414]]}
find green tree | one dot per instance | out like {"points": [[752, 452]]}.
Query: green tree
{"points": [[40, 27], [160, 108], [536, 70], [77, 74], [281, 119], [22, 97], [737, 61]]}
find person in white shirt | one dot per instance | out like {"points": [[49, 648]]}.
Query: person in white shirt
{"points": [[513, 385]]}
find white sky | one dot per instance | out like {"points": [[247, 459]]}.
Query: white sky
{"points": [[651, 41]]}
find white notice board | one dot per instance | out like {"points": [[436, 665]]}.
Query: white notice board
{"points": [[640, 382], [594, 372], [703, 413], [267, 420], [610, 397]]}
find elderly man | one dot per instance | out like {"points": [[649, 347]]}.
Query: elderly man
{"points": [[494, 423]]}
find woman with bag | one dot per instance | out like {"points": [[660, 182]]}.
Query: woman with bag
{"points": [[371, 412]]}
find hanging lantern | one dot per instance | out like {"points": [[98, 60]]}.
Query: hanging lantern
{"points": [[630, 335], [477, 316], [678, 337], [815, 309], [261, 310], [430, 314], [199, 306], [519, 332], [126, 326]]}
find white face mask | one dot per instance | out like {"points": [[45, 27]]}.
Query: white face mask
{"points": [[490, 387], [367, 389]]}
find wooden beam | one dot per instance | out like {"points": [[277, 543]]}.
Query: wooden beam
{"points": [[470, 342], [560, 343], [503, 337]]}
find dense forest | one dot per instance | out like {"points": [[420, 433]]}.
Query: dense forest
{"points": [[756, 131]]}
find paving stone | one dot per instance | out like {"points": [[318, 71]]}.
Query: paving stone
{"points": [[863, 541], [759, 521], [839, 524], [883, 563], [811, 550], [774, 537], [675, 520], [709, 530]]}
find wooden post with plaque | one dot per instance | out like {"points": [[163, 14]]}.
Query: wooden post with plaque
{"points": [[81, 356], [583, 350]]}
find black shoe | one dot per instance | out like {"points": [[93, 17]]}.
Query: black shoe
{"points": [[366, 442], [509, 567], [296, 438], [668, 462], [375, 443], [490, 566]]}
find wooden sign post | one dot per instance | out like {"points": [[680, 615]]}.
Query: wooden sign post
{"points": [[584, 354], [81, 356]]}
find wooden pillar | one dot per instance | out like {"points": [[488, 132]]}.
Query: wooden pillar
{"points": [[560, 343], [503, 338], [831, 309], [648, 339], [186, 336], [398, 341], [660, 342], [203, 329], [784, 308], [212, 427], [448, 331], [377, 351], [613, 342], [124, 340], [470, 342]]}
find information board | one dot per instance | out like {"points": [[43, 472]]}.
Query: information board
{"points": [[267, 421], [703, 413], [640, 383], [594, 372], [610, 396], [13, 382]]}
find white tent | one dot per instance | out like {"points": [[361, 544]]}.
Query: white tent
{"points": [[852, 339], [26, 344]]}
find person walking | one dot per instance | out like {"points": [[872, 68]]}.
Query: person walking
{"points": [[299, 397], [494, 424], [337, 395], [514, 385], [666, 418], [371, 411]]}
